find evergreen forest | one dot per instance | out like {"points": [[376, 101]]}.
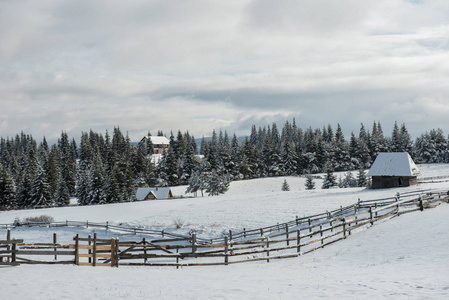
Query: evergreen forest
{"points": [[108, 168]]}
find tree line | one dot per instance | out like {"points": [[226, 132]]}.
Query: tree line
{"points": [[108, 168]]}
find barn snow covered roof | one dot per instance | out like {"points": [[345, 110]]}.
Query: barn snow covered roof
{"points": [[160, 193], [393, 164]]}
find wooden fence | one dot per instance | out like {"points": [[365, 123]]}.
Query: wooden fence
{"points": [[297, 237]]}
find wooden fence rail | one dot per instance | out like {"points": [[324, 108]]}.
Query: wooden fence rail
{"points": [[296, 237]]}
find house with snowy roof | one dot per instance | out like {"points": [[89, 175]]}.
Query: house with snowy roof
{"points": [[160, 143], [154, 193], [393, 169]]}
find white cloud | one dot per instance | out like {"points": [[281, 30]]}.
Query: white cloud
{"points": [[76, 65]]}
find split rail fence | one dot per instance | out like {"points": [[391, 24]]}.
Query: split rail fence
{"points": [[291, 239]]}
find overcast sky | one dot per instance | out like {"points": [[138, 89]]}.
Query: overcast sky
{"points": [[202, 65]]}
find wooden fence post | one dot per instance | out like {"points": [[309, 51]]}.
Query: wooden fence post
{"points": [[194, 243], [298, 240], [113, 254], [54, 243], [268, 249], [230, 235], [321, 234], [89, 242], [226, 250], [297, 221], [13, 252], [77, 258], [310, 226], [420, 204], [244, 233], [286, 234], [371, 215], [145, 250], [116, 250], [177, 258], [8, 238], [344, 227], [94, 250]]}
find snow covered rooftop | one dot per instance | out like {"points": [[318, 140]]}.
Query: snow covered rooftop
{"points": [[159, 140], [158, 192], [393, 164]]}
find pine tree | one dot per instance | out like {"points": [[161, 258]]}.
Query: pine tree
{"points": [[197, 182], [188, 164], [349, 181], [285, 187], [217, 184], [40, 191], [288, 166], [62, 197], [361, 178], [310, 184], [7, 190], [149, 145], [97, 187], [329, 180]]}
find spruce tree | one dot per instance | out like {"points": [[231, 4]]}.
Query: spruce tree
{"points": [[329, 180], [285, 187], [62, 196], [7, 190], [310, 184], [361, 178], [217, 183], [41, 195]]}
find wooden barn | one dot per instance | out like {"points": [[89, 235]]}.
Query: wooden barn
{"points": [[393, 169], [154, 193]]}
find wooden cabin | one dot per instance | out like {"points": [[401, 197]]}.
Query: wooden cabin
{"points": [[393, 169], [154, 193]]}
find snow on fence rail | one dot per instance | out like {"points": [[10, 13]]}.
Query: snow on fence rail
{"points": [[290, 239]]}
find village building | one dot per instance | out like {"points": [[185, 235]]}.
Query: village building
{"points": [[160, 143], [154, 193], [395, 169]]}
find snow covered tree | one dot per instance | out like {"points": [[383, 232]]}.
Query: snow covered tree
{"points": [[348, 181], [7, 190], [40, 195], [285, 187], [188, 164], [329, 180], [62, 196], [217, 184], [197, 182], [288, 164], [361, 178], [113, 194], [310, 184], [97, 191]]}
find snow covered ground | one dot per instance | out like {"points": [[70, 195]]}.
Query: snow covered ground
{"points": [[402, 258]]}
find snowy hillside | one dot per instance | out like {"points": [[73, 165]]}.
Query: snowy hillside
{"points": [[401, 258]]}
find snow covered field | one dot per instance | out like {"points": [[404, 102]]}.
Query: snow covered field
{"points": [[402, 258]]}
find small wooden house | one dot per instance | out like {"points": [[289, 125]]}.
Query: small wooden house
{"points": [[393, 169], [154, 193]]}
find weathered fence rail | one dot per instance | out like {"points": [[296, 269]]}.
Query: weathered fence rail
{"points": [[296, 237]]}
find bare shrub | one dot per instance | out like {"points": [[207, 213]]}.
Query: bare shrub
{"points": [[178, 223], [39, 219]]}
